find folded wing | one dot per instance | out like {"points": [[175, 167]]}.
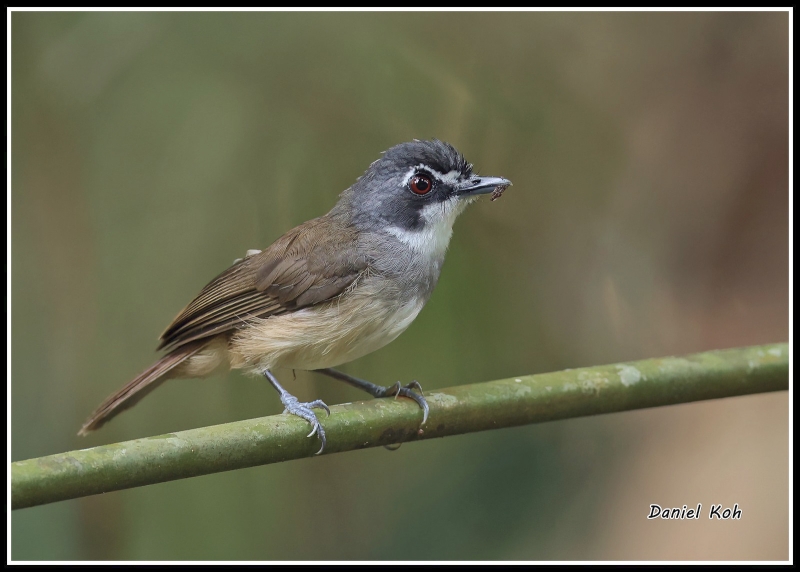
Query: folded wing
{"points": [[310, 264]]}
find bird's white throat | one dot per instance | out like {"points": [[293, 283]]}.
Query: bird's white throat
{"points": [[432, 239]]}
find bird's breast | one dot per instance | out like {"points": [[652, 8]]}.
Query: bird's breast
{"points": [[360, 321]]}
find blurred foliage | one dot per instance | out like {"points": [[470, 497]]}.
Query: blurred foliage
{"points": [[648, 216]]}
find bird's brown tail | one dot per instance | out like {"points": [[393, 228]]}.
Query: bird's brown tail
{"points": [[139, 386]]}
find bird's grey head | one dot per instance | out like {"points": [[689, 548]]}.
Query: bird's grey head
{"points": [[414, 192]]}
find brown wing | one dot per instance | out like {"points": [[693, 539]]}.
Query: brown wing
{"points": [[303, 267]]}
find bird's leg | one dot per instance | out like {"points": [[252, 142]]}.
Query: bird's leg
{"points": [[293, 406], [380, 391]]}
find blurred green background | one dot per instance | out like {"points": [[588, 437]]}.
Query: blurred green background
{"points": [[648, 217]]}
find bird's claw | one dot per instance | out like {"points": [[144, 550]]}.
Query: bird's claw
{"points": [[406, 391], [295, 407]]}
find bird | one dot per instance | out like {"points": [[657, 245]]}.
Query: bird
{"points": [[328, 291]]}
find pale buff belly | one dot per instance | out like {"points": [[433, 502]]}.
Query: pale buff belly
{"points": [[323, 336]]}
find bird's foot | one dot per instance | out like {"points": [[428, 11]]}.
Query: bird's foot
{"points": [[407, 391], [295, 407], [381, 391], [304, 410]]}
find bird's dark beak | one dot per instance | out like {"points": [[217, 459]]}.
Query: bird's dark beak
{"points": [[481, 186]]}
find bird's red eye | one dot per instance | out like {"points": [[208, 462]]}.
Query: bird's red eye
{"points": [[420, 184]]}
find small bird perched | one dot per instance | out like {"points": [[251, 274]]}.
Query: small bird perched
{"points": [[328, 291]]}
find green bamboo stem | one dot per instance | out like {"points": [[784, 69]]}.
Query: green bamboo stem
{"points": [[462, 409]]}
